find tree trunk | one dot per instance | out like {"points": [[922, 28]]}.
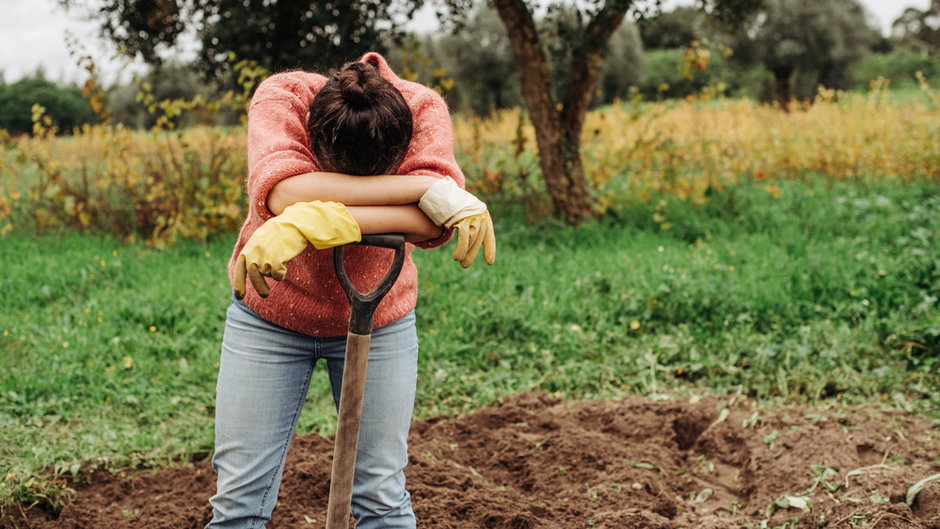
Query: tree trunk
{"points": [[559, 153], [784, 94], [582, 79]]}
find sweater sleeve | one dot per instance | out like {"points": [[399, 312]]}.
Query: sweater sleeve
{"points": [[278, 146], [432, 147]]}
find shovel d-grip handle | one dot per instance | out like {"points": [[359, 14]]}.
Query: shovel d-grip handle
{"points": [[363, 304]]}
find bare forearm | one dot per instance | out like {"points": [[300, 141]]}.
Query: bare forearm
{"points": [[380, 190], [409, 220]]}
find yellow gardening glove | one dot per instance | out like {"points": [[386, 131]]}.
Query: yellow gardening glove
{"points": [[447, 205], [280, 239], [472, 233]]}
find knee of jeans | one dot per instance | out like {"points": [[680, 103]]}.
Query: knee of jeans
{"points": [[390, 502], [228, 507], [231, 510]]}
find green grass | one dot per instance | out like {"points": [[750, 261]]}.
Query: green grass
{"points": [[827, 292]]}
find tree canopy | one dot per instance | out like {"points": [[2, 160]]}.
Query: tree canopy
{"points": [[822, 37], [672, 29], [479, 55], [920, 29], [313, 35]]}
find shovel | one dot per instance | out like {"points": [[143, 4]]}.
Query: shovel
{"points": [[358, 340]]}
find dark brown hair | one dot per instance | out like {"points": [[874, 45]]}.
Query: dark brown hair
{"points": [[359, 123]]}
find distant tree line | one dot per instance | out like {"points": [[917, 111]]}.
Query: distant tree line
{"points": [[644, 54], [477, 57], [782, 50]]}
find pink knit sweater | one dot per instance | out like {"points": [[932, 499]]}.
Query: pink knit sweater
{"points": [[310, 300]]}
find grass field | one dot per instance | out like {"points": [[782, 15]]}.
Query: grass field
{"points": [[812, 290]]}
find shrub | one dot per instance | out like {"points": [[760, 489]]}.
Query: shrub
{"points": [[899, 67], [64, 105], [161, 184], [664, 76]]}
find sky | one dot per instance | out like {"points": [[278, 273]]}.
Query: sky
{"points": [[33, 35]]}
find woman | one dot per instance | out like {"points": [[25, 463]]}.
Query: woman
{"points": [[330, 159]]}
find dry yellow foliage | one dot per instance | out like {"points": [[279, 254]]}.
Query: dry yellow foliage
{"points": [[164, 184], [687, 148], [160, 185]]}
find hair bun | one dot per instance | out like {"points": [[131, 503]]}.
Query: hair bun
{"points": [[358, 84]]}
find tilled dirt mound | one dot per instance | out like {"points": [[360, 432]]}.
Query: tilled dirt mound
{"points": [[537, 462]]}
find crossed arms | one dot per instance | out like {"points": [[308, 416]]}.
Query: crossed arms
{"points": [[379, 204]]}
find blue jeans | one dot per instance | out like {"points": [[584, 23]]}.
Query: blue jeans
{"points": [[264, 374]]}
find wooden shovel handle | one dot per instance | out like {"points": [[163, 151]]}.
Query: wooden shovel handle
{"points": [[347, 430], [354, 374]]}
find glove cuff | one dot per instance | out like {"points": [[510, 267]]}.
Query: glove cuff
{"points": [[445, 203]]}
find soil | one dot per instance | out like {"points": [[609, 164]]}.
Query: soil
{"points": [[535, 462]]}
